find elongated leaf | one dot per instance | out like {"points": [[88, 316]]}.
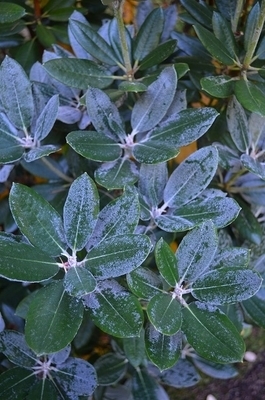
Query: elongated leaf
{"points": [[76, 377], [104, 114], [134, 349], [16, 93], [237, 124], [221, 86], [78, 73], [162, 350], [258, 168], [212, 334], [164, 312], [247, 224], [144, 283], [231, 257], [117, 255], [222, 31], [214, 370], [251, 25], [226, 285], [11, 12], [10, 150], [182, 375], [119, 217], [115, 41], [149, 34], [80, 212], [134, 86], [51, 312], [16, 349], [152, 106], [166, 262], [22, 262], [92, 42], [110, 368], [191, 177], [198, 11], [144, 386], [94, 145], [255, 308], [79, 281], [47, 118], [37, 220], [115, 311], [39, 152], [43, 389], [117, 174], [159, 54], [15, 383], [152, 181], [250, 96], [217, 49], [153, 152], [196, 252]]}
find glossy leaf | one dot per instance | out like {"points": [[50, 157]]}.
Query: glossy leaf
{"points": [[42, 389], [117, 255], [17, 98], [47, 118], [153, 152], [196, 252], [152, 181], [92, 42], [220, 86], [15, 348], [162, 350], [212, 334], [253, 165], [198, 11], [11, 149], [250, 96], [15, 383], [238, 125], [159, 54], [164, 312], [37, 220], [80, 212], [117, 174], [110, 369], [182, 375], [217, 49], [149, 34], [114, 310], [135, 86], [78, 73], [11, 12], [251, 25], [151, 106], [22, 262], [226, 285], [51, 312], [79, 281], [255, 308], [144, 283], [144, 386], [247, 224], [191, 177], [222, 31], [166, 262], [119, 217], [39, 152], [134, 349], [115, 41]]}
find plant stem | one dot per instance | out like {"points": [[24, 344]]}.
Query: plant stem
{"points": [[238, 11], [59, 173], [255, 38], [118, 7]]}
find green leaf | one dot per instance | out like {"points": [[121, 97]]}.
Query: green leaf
{"points": [[117, 255], [47, 118], [11, 12], [22, 262], [11, 149], [94, 145], [182, 375], [251, 25], [255, 308], [78, 73], [220, 86], [76, 377], [119, 217], [250, 96], [115, 41], [164, 312], [166, 262], [134, 86], [51, 313], [229, 257], [153, 152], [158, 54], [15, 383], [222, 31], [16, 349], [43, 389], [92, 42], [212, 334], [16, 93], [144, 386], [144, 283], [104, 114], [61, 14], [181, 69], [134, 349], [152, 182], [39, 152], [198, 11], [151, 107], [226, 285], [191, 177], [115, 310], [258, 168], [217, 49], [37, 219], [247, 224], [162, 350], [149, 34], [110, 369], [79, 281], [80, 212], [45, 35], [117, 174], [196, 252], [237, 124]]}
